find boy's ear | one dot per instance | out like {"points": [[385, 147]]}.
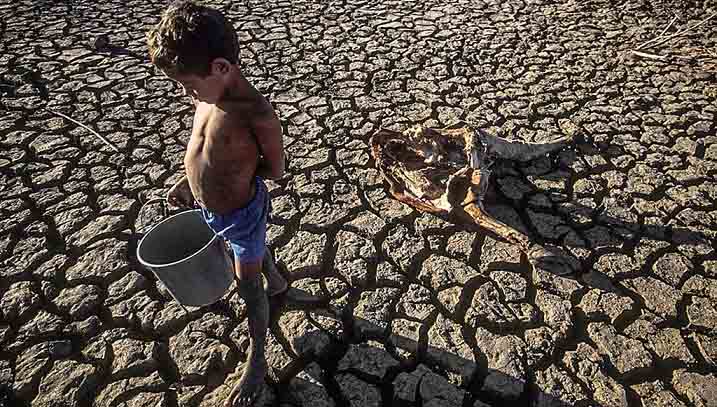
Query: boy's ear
{"points": [[221, 66]]}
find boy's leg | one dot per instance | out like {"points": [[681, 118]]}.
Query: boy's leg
{"points": [[276, 283], [251, 289]]}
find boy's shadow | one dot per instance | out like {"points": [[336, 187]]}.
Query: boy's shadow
{"points": [[418, 385]]}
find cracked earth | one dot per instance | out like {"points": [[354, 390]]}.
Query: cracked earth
{"points": [[388, 306]]}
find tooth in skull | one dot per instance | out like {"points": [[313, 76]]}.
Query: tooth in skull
{"points": [[446, 172]]}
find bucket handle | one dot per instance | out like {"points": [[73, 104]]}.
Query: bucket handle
{"points": [[152, 201], [221, 232]]}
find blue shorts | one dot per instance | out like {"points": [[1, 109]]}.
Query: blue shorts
{"points": [[247, 233]]}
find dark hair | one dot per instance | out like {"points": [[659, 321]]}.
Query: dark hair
{"points": [[189, 37]]}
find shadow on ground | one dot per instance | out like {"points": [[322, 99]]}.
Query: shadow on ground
{"points": [[361, 363]]}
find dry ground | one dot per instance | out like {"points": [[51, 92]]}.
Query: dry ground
{"points": [[397, 307]]}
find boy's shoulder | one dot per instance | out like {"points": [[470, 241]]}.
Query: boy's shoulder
{"points": [[235, 112], [250, 106]]}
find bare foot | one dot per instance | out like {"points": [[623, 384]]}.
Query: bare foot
{"points": [[246, 391]]}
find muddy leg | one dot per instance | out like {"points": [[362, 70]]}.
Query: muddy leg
{"points": [[275, 282], [252, 292]]}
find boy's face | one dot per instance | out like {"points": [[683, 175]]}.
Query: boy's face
{"points": [[208, 89]]}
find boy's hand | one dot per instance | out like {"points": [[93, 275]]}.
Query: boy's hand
{"points": [[264, 171], [267, 130], [180, 195]]}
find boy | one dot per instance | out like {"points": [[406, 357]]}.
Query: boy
{"points": [[235, 143]]}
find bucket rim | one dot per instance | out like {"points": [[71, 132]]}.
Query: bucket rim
{"points": [[174, 263]]}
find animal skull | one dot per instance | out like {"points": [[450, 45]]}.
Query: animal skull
{"points": [[446, 172]]}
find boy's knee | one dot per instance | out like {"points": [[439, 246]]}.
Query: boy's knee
{"points": [[251, 290]]}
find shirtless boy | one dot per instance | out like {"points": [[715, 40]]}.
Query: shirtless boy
{"points": [[235, 143]]}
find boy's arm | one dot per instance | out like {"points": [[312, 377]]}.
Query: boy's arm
{"points": [[267, 130]]}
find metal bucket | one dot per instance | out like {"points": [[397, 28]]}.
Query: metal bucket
{"points": [[189, 258]]}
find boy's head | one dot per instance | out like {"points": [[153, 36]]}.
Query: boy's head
{"points": [[192, 41]]}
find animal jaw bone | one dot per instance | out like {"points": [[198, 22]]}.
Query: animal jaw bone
{"points": [[446, 172]]}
